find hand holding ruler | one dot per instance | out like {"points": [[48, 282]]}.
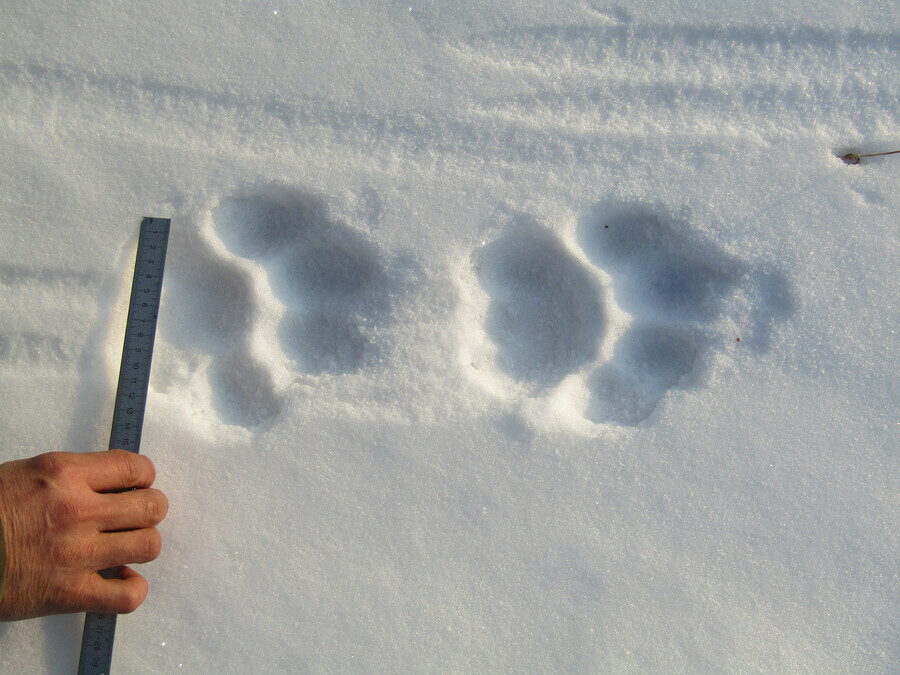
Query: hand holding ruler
{"points": [[130, 403]]}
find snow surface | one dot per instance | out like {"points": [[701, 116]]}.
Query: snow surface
{"points": [[448, 376]]}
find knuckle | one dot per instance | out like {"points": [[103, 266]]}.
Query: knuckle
{"points": [[51, 465], [149, 468], [164, 509], [151, 545], [151, 511], [156, 506], [128, 469]]}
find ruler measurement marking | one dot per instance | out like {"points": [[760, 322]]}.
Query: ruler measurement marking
{"points": [[130, 404]]}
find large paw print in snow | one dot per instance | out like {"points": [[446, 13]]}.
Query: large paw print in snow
{"points": [[668, 292], [326, 275], [328, 294], [211, 310], [545, 314]]}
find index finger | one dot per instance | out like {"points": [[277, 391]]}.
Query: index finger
{"points": [[117, 470]]}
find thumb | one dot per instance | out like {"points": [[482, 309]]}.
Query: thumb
{"points": [[121, 594]]}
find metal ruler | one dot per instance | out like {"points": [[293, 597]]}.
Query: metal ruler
{"points": [[131, 400]]}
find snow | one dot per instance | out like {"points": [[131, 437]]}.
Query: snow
{"points": [[495, 337]]}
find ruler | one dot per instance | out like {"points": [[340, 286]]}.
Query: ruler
{"points": [[131, 401]]}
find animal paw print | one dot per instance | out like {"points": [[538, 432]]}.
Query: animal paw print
{"points": [[326, 275], [545, 314], [212, 312], [547, 322]]}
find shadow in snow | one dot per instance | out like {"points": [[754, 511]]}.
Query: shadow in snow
{"points": [[545, 314], [327, 275]]}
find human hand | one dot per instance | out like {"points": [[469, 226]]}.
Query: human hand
{"points": [[67, 515]]}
